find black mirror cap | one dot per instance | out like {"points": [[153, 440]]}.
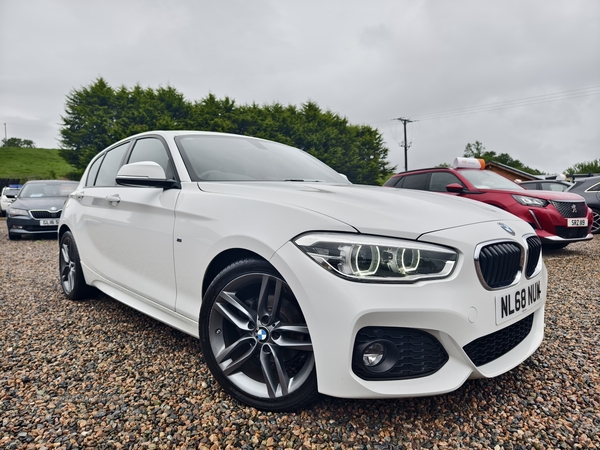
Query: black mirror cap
{"points": [[148, 182]]}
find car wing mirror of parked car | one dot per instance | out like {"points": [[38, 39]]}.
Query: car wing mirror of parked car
{"points": [[456, 188], [145, 173]]}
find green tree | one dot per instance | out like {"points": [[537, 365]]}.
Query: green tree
{"points": [[18, 143], [98, 115], [477, 150], [584, 167]]}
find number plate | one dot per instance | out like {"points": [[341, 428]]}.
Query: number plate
{"points": [[518, 302], [48, 222], [577, 222]]}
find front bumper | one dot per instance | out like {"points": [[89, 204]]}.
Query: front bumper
{"points": [[456, 311], [551, 226], [24, 225]]}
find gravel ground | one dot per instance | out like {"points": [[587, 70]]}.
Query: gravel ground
{"points": [[98, 374]]}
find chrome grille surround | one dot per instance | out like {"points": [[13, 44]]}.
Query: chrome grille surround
{"points": [[534, 256]]}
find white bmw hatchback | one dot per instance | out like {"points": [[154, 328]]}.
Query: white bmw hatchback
{"points": [[296, 281]]}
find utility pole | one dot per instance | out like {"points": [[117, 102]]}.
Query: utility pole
{"points": [[5, 137], [404, 122]]}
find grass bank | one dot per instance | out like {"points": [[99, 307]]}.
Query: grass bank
{"points": [[32, 163]]}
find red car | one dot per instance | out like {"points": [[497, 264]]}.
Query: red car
{"points": [[558, 218]]}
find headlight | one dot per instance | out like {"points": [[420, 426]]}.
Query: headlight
{"points": [[376, 259], [13, 212], [530, 201]]}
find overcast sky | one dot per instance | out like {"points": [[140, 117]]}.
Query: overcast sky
{"points": [[522, 77]]}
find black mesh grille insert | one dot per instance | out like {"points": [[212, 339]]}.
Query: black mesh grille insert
{"points": [[488, 348], [533, 254], [570, 209], [571, 232], [499, 263], [45, 214], [420, 353]]}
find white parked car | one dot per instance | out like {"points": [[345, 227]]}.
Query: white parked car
{"points": [[7, 197], [296, 281]]}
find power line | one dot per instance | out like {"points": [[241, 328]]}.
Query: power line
{"points": [[525, 101]]}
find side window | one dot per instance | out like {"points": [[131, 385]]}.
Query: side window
{"points": [[439, 181], [417, 181], [551, 187], [594, 188], [110, 166], [152, 149], [93, 173]]}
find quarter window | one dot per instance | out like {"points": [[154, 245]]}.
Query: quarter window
{"points": [[93, 172]]}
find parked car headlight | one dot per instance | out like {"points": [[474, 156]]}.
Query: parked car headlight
{"points": [[377, 259], [13, 212], [530, 201]]}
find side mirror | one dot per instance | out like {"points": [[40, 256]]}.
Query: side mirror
{"points": [[144, 173], [455, 187]]}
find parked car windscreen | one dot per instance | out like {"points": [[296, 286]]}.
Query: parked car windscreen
{"points": [[486, 179], [32, 190], [10, 192], [233, 158]]}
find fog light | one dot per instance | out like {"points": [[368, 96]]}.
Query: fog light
{"points": [[373, 354]]}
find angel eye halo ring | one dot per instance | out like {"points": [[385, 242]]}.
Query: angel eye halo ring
{"points": [[377, 259]]}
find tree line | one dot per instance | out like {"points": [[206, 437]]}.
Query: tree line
{"points": [[98, 115], [477, 150]]}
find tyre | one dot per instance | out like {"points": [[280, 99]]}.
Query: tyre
{"points": [[71, 275], [255, 339], [596, 223], [13, 236]]}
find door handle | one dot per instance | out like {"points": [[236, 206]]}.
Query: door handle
{"points": [[114, 199]]}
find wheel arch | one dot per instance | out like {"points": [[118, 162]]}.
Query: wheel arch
{"points": [[224, 259]]}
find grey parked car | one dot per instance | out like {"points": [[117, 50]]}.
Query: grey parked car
{"points": [[589, 189], [38, 207]]}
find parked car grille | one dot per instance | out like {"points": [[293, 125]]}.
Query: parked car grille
{"points": [[571, 233], [488, 348], [40, 214], [499, 263], [570, 209], [420, 353], [534, 251]]}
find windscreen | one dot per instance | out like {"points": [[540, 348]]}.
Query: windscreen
{"points": [[47, 190], [486, 179], [238, 158]]}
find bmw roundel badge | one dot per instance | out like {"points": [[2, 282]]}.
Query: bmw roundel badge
{"points": [[506, 228]]}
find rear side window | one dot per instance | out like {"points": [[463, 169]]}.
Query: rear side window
{"points": [[110, 166], [416, 181]]}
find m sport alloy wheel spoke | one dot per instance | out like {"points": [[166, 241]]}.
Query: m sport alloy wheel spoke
{"points": [[68, 267], [259, 337]]}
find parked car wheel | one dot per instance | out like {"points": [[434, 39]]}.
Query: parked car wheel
{"points": [[72, 280], [255, 339], [13, 236], [596, 224]]}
